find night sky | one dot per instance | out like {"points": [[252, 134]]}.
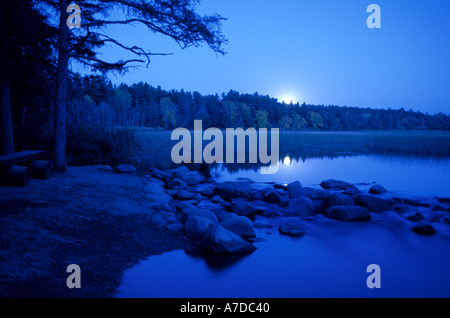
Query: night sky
{"points": [[318, 52]]}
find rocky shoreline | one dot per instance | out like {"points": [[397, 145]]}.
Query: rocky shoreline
{"points": [[219, 216]]}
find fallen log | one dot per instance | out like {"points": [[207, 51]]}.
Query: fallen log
{"points": [[15, 176]]}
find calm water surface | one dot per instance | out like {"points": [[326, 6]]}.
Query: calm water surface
{"points": [[331, 259]]}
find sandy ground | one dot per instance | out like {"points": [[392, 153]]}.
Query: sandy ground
{"points": [[92, 218]]}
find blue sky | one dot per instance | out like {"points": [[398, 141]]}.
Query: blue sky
{"points": [[318, 52]]}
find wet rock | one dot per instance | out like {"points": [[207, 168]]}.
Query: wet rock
{"points": [[175, 227], [125, 169], [244, 208], [217, 239], [193, 178], [192, 211], [295, 189], [196, 226], [443, 200], [300, 206], [294, 230], [335, 184], [177, 184], [415, 217], [446, 219], [208, 191], [377, 189], [439, 207], [320, 207], [161, 175], [185, 195], [412, 202], [281, 187], [424, 229], [373, 203], [180, 172], [348, 213], [315, 194], [239, 225], [217, 199], [229, 190], [172, 193], [338, 199], [271, 196]]}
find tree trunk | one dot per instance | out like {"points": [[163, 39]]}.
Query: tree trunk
{"points": [[5, 93], [59, 155]]}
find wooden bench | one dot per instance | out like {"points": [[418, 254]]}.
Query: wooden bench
{"points": [[18, 168]]}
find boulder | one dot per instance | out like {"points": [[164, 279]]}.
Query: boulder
{"points": [[338, 199], [208, 191], [315, 194], [416, 217], [195, 227], [244, 208], [180, 172], [338, 185], [234, 189], [377, 189], [125, 169], [239, 225], [271, 196], [175, 227], [373, 203], [161, 175], [295, 189], [177, 184], [191, 211], [154, 193], [424, 229], [217, 199], [335, 184], [158, 220], [348, 213], [300, 206], [185, 195], [446, 219], [193, 178], [217, 239], [281, 187], [294, 230]]}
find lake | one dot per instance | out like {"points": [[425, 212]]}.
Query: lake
{"points": [[331, 259]]}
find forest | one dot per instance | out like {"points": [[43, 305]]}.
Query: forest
{"points": [[93, 98]]}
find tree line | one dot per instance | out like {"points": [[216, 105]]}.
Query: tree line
{"points": [[93, 98]]}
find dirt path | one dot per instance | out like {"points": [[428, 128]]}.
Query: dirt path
{"points": [[92, 218]]}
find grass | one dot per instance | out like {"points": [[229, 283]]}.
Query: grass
{"points": [[154, 147]]}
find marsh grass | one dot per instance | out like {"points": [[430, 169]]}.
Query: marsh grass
{"points": [[154, 147]]}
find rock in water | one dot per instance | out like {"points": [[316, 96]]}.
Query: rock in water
{"points": [[377, 189], [239, 225], [300, 206], [295, 189], [373, 203], [125, 169], [180, 172], [217, 239], [348, 213], [196, 226], [294, 230], [424, 229], [229, 190], [339, 199]]}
